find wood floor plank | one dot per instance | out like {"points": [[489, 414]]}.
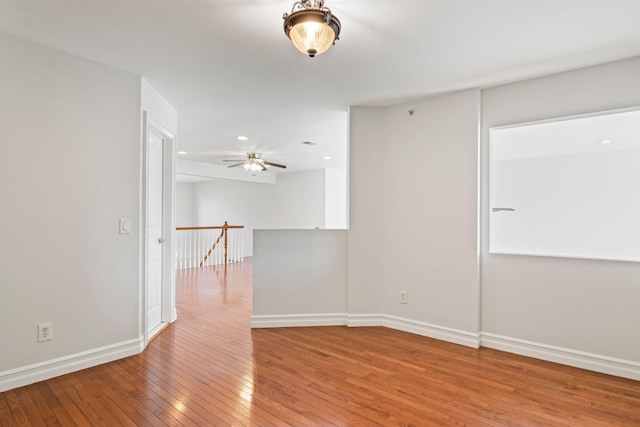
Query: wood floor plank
{"points": [[70, 407], [31, 411], [17, 415], [5, 411], [210, 369], [46, 404]]}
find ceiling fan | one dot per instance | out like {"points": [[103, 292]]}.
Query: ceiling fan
{"points": [[254, 163]]}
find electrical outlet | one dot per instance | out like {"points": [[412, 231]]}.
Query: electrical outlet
{"points": [[45, 332], [404, 297]]}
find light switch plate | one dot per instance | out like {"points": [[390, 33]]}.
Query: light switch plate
{"points": [[125, 225]]}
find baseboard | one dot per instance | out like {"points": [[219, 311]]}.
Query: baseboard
{"points": [[156, 331], [593, 362], [52, 368], [298, 320], [443, 333], [360, 320], [565, 356], [363, 320]]}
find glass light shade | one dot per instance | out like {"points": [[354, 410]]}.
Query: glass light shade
{"points": [[312, 31], [312, 38]]}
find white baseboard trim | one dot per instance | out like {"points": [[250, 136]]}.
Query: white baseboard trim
{"points": [[63, 365], [424, 329], [363, 320], [565, 356], [443, 333], [298, 320], [360, 320]]}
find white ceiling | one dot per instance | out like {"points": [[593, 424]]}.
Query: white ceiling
{"points": [[228, 68]]}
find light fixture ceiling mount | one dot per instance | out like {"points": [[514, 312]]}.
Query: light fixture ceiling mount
{"points": [[311, 27]]}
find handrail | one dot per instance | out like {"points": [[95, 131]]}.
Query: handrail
{"points": [[212, 248], [198, 245], [209, 227]]}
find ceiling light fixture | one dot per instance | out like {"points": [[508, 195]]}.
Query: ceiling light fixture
{"points": [[254, 166], [242, 138], [311, 27], [182, 152], [254, 163], [605, 141]]}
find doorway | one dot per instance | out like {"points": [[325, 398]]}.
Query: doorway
{"points": [[159, 190]]}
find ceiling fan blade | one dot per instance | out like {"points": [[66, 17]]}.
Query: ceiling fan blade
{"points": [[263, 168], [237, 164], [275, 164]]}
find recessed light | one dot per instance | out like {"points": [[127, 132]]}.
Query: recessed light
{"points": [[182, 152], [308, 143], [326, 158], [242, 138], [605, 141]]}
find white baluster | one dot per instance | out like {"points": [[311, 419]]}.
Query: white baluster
{"points": [[191, 240]]}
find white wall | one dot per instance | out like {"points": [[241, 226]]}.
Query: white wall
{"points": [[159, 108], [336, 184], [413, 186], [366, 201], [300, 200], [70, 169], [413, 226], [580, 305], [429, 215], [238, 202], [296, 201], [298, 275], [184, 205]]}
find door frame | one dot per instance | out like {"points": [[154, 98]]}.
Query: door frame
{"points": [[151, 125]]}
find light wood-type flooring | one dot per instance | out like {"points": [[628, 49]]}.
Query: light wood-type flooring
{"points": [[209, 368]]}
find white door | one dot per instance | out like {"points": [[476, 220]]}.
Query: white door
{"points": [[154, 233]]}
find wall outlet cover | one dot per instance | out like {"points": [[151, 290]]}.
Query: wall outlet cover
{"points": [[45, 332]]}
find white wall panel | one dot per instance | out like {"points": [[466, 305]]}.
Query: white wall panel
{"points": [[184, 205], [583, 305], [366, 142], [299, 272], [430, 211], [70, 169]]}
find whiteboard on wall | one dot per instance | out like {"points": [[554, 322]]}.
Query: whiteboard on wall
{"points": [[567, 187]]}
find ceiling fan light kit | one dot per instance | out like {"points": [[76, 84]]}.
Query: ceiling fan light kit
{"points": [[254, 163], [311, 27]]}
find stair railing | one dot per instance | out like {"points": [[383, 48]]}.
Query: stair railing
{"points": [[211, 245]]}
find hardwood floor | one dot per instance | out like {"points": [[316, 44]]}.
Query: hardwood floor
{"points": [[209, 368]]}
